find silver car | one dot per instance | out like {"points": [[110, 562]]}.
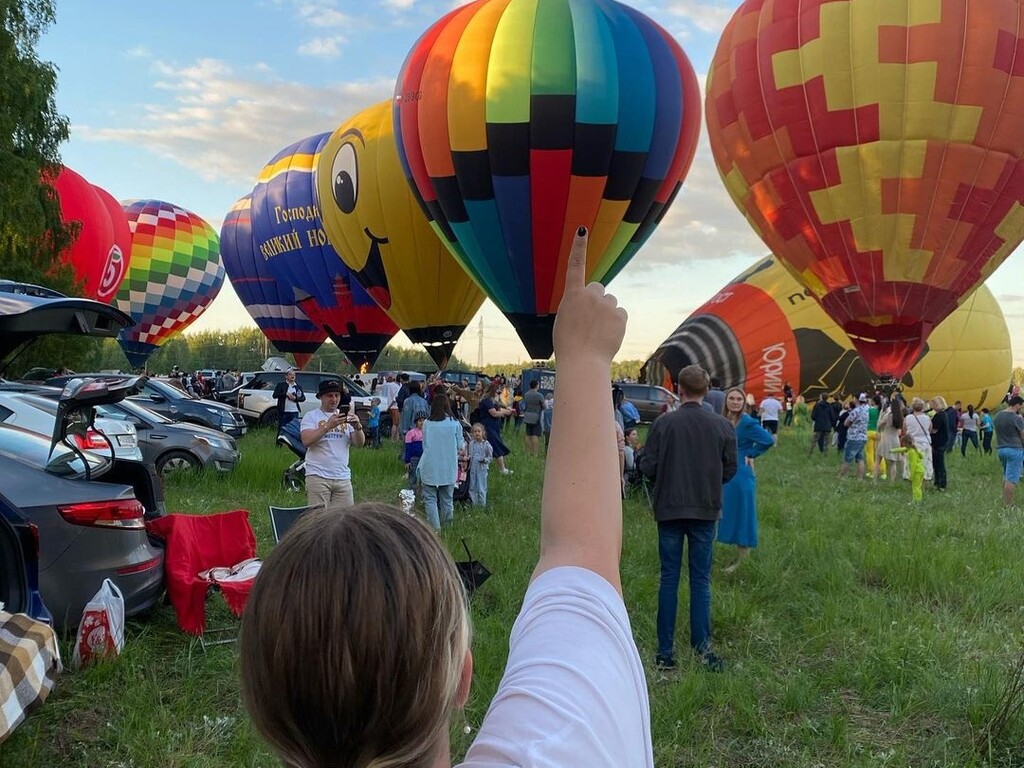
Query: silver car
{"points": [[89, 529], [38, 414]]}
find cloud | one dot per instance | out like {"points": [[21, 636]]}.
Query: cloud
{"points": [[707, 17], [225, 125], [322, 47], [137, 52]]}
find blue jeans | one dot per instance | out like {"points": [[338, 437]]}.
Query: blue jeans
{"points": [[478, 484], [432, 495], [701, 534]]}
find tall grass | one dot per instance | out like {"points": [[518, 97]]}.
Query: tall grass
{"points": [[864, 631]]}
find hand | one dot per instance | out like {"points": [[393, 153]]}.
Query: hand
{"points": [[589, 323], [336, 420], [352, 418]]}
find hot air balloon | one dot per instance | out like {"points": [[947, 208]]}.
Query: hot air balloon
{"points": [[517, 121], [764, 330], [175, 274], [283, 323], [876, 148], [290, 238], [374, 223], [100, 253]]}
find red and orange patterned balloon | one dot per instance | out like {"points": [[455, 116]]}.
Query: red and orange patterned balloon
{"points": [[876, 147]]}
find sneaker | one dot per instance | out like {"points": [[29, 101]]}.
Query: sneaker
{"points": [[506, 471], [664, 663], [712, 662]]}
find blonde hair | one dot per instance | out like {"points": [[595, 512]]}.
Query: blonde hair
{"points": [[917, 405], [939, 402], [353, 641]]}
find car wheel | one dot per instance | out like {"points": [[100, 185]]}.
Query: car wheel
{"points": [[173, 462], [269, 418]]}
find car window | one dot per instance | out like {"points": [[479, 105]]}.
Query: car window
{"points": [[308, 381], [354, 389], [5, 413]]}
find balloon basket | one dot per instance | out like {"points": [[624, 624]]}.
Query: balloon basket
{"points": [[887, 385]]}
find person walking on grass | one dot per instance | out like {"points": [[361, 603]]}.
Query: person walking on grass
{"points": [[890, 428], [492, 417], [822, 420], [439, 465], [970, 423], [690, 454], [1009, 428], [769, 412], [383, 597], [986, 432], [739, 496], [532, 407], [480, 456], [856, 438], [916, 463]]}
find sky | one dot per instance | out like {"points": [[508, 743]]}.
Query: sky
{"points": [[186, 101]]}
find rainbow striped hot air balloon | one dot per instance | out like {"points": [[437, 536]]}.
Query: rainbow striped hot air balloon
{"points": [[517, 121], [283, 323], [174, 275], [290, 238]]}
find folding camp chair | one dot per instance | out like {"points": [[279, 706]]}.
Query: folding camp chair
{"points": [[283, 518], [196, 545], [637, 483]]}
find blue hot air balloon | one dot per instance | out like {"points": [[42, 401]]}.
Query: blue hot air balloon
{"points": [[272, 307], [289, 237]]}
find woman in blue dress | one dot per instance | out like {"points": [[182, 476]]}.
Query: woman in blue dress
{"points": [[739, 496], [492, 415]]}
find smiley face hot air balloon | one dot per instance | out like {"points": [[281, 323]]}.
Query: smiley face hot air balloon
{"points": [[100, 254], [175, 274], [376, 226], [290, 238], [876, 148], [762, 331], [517, 121], [283, 323]]}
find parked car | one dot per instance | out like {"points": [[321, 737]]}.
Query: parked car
{"points": [[19, 564], [161, 396], [38, 414], [256, 399], [469, 377], [89, 508], [650, 400]]}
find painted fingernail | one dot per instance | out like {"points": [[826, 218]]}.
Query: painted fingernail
{"points": [[581, 232]]}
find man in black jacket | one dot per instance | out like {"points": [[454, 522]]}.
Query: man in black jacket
{"points": [[288, 395], [690, 454]]}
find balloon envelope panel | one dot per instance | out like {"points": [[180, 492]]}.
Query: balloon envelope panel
{"points": [[175, 274], [377, 228], [290, 237], [763, 330], [274, 312], [889, 180], [517, 121], [100, 254]]}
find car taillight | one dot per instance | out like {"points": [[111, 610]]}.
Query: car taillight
{"points": [[122, 513], [91, 440]]}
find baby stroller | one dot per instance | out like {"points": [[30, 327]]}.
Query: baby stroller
{"points": [[461, 493], [294, 478]]}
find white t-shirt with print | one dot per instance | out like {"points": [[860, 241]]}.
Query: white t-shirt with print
{"points": [[574, 691], [328, 457], [290, 406]]}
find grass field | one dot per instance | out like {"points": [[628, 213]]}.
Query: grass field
{"points": [[865, 631]]}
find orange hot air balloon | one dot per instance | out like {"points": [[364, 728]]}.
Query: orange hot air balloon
{"points": [[876, 148]]}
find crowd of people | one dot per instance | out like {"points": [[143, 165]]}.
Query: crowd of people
{"points": [[574, 690]]}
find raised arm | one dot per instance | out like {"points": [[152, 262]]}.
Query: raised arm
{"points": [[581, 507]]}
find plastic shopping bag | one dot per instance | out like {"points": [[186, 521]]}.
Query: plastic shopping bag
{"points": [[101, 632]]}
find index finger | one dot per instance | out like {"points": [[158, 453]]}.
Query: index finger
{"points": [[576, 274]]}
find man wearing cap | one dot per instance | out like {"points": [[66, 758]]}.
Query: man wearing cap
{"points": [[1009, 428], [327, 434], [288, 394], [856, 437]]}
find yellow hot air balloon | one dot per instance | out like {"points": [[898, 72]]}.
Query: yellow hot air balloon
{"points": [[375, 224], [764, 330]]}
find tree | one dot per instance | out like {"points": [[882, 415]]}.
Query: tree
{"points": [[32, 234]]}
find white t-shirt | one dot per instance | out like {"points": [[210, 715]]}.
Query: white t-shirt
{"points": [[919, 427], [290, 406], [574, 691], [770, 408], [328, 457], [388, 393]]}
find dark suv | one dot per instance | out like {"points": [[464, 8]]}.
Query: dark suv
{"points": [[651, 401], [173, 403]]}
